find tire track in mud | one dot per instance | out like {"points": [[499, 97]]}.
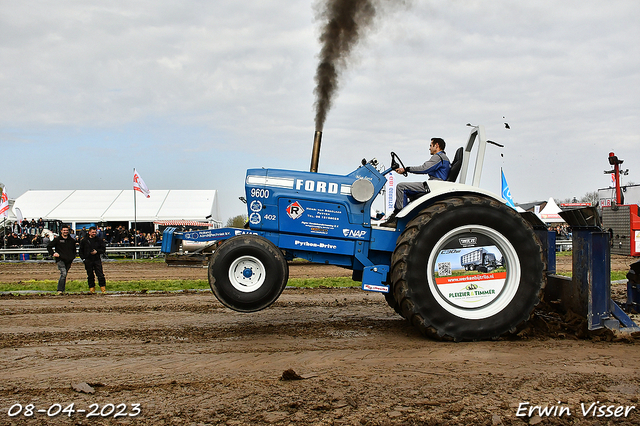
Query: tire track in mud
{"points": [[339, 312], [193, 317], [310, 329], [208, 303]]}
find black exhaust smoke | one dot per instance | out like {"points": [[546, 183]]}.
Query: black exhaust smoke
{"points": [[346, 20]]}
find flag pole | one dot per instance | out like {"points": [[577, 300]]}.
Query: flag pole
{"points": [[140, 186], [135, 218], [4, 218]]}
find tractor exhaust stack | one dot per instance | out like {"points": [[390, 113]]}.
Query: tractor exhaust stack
{"points": [[315, 154]]}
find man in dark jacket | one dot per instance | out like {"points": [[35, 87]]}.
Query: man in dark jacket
{"points": [[91, 248], [63, 249]]}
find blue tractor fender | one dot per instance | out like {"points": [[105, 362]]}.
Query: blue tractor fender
{"points": [[439, 190]]}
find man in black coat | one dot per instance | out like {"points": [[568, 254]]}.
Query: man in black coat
{"points": [[63, 249], [92, 248]]}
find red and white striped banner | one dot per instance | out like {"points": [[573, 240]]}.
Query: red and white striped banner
{"points": [[182, 223], [139, 185], [4, 204]]}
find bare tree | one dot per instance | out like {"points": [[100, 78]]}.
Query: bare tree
{"points": [[590, 197], [237, 221], [566, 200]]}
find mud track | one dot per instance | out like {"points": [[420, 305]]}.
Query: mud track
{"points": [[187, 360], [130, 270]]}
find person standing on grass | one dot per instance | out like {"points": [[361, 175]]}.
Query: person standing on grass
{"points": [[92, 248], [63, 249]]}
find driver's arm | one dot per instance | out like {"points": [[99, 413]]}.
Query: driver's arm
{"points": [[425, 168]]}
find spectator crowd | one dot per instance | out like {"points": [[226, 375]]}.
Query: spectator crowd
{"points": [[28, 234], [563, 231]]}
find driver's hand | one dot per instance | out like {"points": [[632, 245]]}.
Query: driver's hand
{"points": [[400, 170]]}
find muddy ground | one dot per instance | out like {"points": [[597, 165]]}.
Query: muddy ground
{"points": [[187, 360], [130, 270]]}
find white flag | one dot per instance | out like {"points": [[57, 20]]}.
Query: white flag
{"points": [[18, 213], [4, 204], [139, 185]]}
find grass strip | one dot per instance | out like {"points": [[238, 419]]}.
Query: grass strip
{"points": [[615, 275], [323, 282], [79, 286]]}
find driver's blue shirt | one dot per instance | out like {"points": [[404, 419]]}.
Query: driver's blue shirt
{"points": [[437, 167]]}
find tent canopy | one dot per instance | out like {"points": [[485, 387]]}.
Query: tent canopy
{"points": [[118, 205], [550, 212]]}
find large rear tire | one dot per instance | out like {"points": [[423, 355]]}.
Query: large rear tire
{"points": [[247, 273], [443, 300]]}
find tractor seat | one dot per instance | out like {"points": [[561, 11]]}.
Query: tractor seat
{"points": [[455, 166]]}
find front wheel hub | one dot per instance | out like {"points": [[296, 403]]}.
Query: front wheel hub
{"points": [[471, 272], [247, 274]]}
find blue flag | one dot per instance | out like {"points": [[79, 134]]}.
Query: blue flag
{"points": [[506, 193]]}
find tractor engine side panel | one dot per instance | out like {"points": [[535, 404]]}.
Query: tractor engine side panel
{"points": [[265, 187], [301, 216], [312, 213]]}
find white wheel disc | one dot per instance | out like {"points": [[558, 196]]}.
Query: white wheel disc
{"points": [[473, 295], [247, 274]]}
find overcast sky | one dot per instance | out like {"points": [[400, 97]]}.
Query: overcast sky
{"points": [[194, 93]]}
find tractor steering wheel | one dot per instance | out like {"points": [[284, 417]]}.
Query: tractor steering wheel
{"points": [[394, 163]]}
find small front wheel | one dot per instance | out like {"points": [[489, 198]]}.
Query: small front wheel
{"points": [[247, 273]]}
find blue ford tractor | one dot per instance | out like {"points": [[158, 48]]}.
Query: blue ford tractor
{"points": [[326, 218]]}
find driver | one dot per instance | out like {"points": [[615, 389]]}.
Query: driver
{"points": [[437, 167]]}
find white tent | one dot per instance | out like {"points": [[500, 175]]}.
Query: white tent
{"points": [[87, 206], [550, 213]]}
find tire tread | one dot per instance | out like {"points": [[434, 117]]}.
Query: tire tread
{"points": [[401, 287]]}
